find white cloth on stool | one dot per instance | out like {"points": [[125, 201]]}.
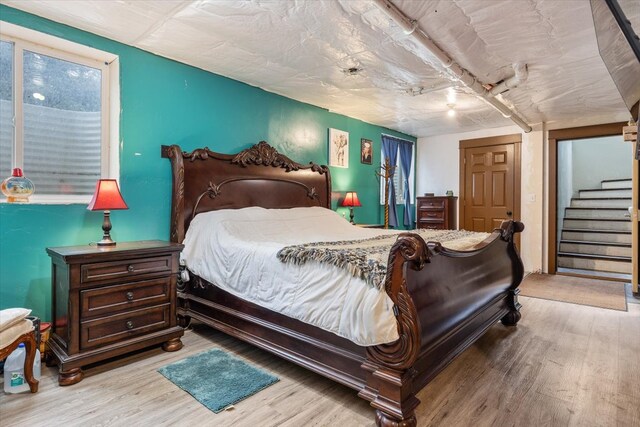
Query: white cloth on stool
{"points": [[12, 333], [11, 316]]}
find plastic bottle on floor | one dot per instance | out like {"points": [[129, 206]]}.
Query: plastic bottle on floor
{"points": [[14, 378]]}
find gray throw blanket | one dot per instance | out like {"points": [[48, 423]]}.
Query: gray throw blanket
{"points": [[367, 258]]}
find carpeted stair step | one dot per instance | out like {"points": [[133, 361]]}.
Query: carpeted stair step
{"points": [[596, 235], [604, 274], [595, 248], [615, 264], [586, 213], [616, 183], [612, 202], [598, 224], [605, 194]]}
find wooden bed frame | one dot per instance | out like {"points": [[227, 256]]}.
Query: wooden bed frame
{"points": [[443, 300]]}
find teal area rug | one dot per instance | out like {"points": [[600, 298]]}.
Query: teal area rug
{"points": [[217, 379]]}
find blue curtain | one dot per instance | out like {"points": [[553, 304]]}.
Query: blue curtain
{"points": [[406, 155], [390, 151]]}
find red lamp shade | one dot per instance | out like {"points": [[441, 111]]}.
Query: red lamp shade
{"points": [[351, 200], [107, 197]]}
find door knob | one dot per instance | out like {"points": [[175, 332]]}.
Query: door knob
{"points": [[509, 213]]}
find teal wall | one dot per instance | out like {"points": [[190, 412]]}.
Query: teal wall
{"points": [[166, 102]]}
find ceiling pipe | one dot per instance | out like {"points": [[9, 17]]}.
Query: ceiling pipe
{"points": [[411, 27], [521, 74]]}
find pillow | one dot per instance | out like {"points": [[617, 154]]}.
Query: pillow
{"points": [[11, 316]]}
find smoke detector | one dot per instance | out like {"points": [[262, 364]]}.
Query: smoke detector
{"points": [[352, 71]]}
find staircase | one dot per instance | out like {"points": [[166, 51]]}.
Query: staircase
{"points": [[596, 235]]}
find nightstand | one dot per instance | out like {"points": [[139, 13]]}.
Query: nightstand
{"points": [[107, 301], [436, 212]]}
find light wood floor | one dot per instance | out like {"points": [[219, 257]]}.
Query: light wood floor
{"points": [[564, 365]]}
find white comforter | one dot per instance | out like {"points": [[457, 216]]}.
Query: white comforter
{"points": [[236, 250]]}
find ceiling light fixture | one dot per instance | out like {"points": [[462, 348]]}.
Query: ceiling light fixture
{"points": [[451, 112]]}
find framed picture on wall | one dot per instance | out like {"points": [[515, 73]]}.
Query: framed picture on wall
{"points": [[366, 151], [338, 148]]}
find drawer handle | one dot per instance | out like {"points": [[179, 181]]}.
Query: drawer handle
{"points": [[431, 214], [129, 295], [131, 269], [129, 324]]}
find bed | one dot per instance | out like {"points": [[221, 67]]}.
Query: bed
{"points": [[442, 300]]}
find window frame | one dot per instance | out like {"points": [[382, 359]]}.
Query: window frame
{"points": [[108, 64]]}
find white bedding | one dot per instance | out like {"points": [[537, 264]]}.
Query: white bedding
{"points": [[237, 251]]}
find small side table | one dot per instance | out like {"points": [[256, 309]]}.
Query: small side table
{"points": [[107, 301]]}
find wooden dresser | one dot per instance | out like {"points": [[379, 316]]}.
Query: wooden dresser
{"points": [[437, 212], [111, 300]]}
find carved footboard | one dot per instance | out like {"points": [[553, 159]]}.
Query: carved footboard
{"points": [[443, 301]]}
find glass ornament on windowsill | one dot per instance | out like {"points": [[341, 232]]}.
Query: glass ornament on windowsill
{"points": [[17, 187]]}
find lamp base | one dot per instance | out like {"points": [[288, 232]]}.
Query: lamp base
{"points": [[106, 242], [106, 228], [351, 216]]}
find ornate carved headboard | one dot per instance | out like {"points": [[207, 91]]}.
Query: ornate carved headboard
{"points": [[258, 176]]}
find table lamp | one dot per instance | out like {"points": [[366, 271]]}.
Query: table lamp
{"points": [[106, 198], [351, 201]]}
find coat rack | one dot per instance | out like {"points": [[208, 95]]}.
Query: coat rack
{"points": [[388, 173]]}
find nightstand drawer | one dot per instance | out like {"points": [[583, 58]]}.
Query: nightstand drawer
{"points": [[106, 330], [125, 269], [112, 299], [439, 214], [432, 204], [432, 225]]}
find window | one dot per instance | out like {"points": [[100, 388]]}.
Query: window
{"points": [[398, 180], [54, 114]]}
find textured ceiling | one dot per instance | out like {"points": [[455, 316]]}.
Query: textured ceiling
{"points": [[299, 49]]}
